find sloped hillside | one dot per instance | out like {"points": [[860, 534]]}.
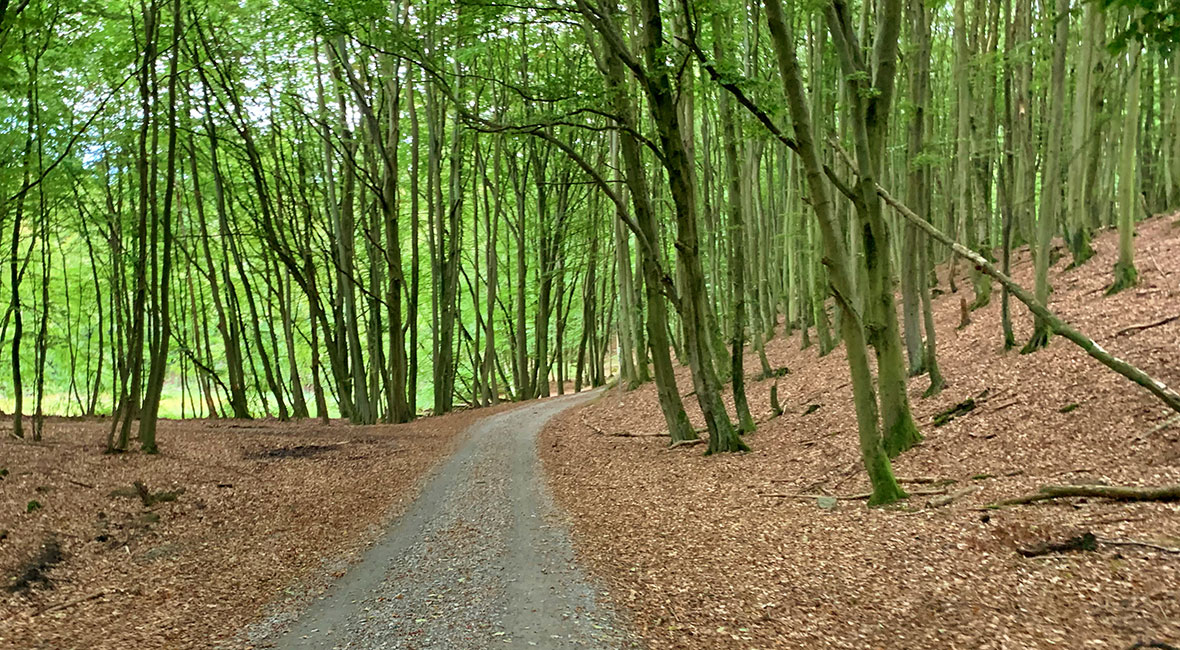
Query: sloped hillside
{"points": [[720, 553]]}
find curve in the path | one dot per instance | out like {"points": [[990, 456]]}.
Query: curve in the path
{"points": [[480, 560]]}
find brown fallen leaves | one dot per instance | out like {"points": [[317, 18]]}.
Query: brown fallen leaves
{"points": [[703, 561], [266, 512]]}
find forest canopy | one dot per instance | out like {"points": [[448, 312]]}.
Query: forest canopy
{"points": [[373, 209]]}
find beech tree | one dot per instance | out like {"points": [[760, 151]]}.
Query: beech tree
{"points": [[376, 210]]}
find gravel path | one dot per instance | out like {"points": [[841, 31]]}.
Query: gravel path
{"points": [[481, 559]]}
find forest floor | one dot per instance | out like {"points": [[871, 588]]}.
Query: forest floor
{"points": [[269, 510], [716, 552]]}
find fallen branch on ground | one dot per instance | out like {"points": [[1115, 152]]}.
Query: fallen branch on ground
{"points": [[618, 434], [1088, 542], [686, 443], [1158, 645], [961, 409], [70, 479], [1146, 326], [1005, 405], [1116, 492], [844, 497], [77, 601], [1135, 542], [926, 480], [1083, 542], [808, 443], [1160, 427], [941, 500]]}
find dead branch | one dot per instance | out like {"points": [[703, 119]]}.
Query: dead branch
{"points": [[1005, 405], [70, 479], [1158, 645], [1160, 427], [941, 500], [1135, 542], [1116, 492], [77, 601], [808, 443], [927, 480], [618, 434], [1146, 326], [1083, 542], [844, 497]]}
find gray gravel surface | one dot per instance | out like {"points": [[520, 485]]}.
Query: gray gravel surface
{"points": [[482, 559]]}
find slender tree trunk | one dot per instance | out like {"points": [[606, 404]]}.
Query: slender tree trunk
{"points": [[1050, 177], [1125, 273], [163, 330], [738, 202], [876, 461]]}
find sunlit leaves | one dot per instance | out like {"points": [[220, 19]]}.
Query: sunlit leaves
{"points": [[1154, 23]]}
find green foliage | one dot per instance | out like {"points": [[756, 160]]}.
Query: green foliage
{"points": [[1154, 23]]}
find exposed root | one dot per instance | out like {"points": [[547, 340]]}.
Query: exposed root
{"points": [[1125, 277], [1039, 339]]}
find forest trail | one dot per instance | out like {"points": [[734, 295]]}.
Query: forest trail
{"points": [[480, 558]]}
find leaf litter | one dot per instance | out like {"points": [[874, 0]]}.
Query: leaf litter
{"points": [[703, 557], [234, 523]]}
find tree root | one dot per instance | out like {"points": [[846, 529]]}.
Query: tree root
{"points": [[1125, 277], [1039, 339]]}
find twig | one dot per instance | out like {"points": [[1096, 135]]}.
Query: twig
{"points": [[845, 497], [686, 443], [618, 434], [1160, 427], [852, 470], [941, 500], [1146, 326], [1116, 520], [1135, 542], [1158, 645], [808, 443], [77, 601], [1005, 405], [1157, 267], [927, 480], [70, 480]]}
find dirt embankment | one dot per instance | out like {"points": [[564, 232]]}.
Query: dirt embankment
{"points": [[707, 556]]}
